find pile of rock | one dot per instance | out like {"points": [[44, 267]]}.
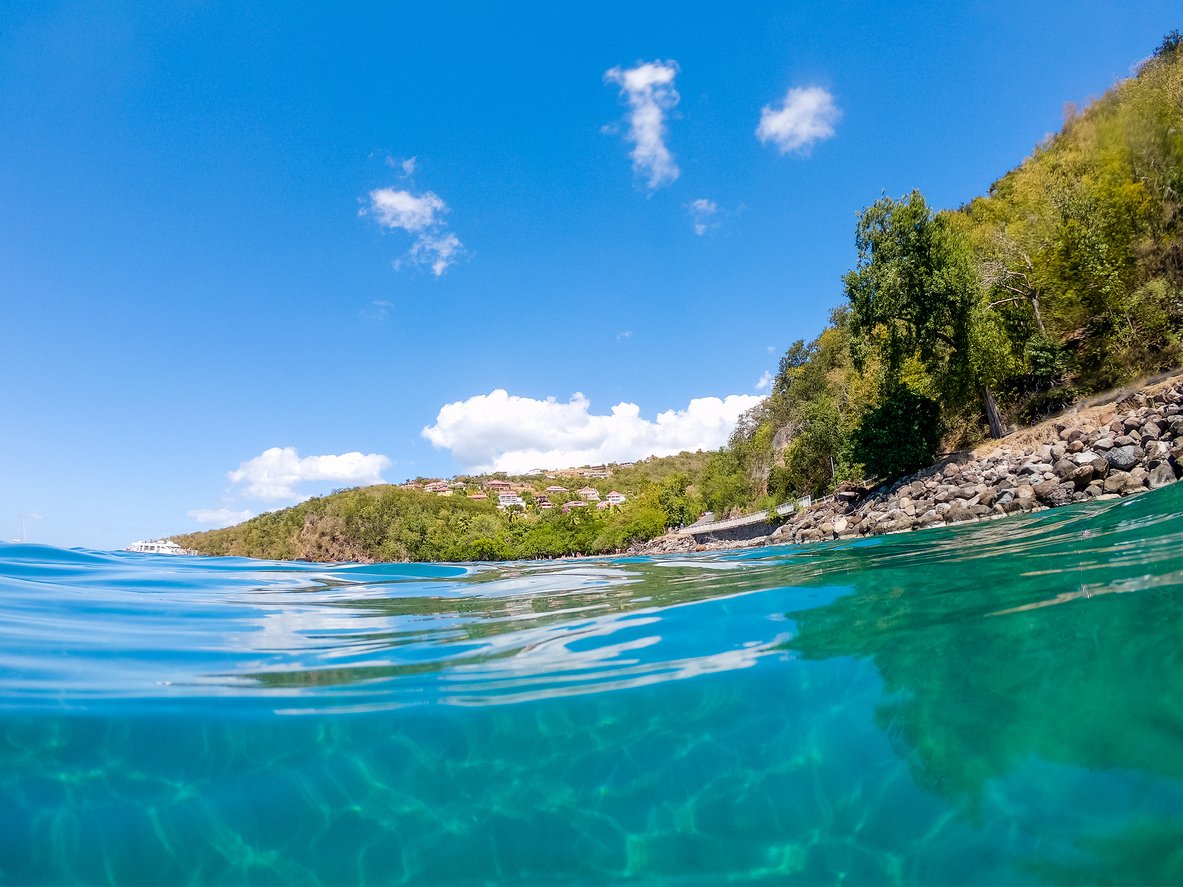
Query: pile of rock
{"points": [[1116, 454], [676, 543]]}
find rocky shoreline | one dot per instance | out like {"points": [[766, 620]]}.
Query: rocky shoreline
{"points": [[1131, 445]]}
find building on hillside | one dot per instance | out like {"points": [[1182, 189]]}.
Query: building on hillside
{"points": [[542, 500], [477, 496], [496, 486], [506, 500], [574, 503], [595, 471], [600, 506], [588, 494], [436, 486], [616, 498], [555, 488]]}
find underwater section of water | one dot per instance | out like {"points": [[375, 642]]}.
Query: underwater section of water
{"points": [[997, 703]]}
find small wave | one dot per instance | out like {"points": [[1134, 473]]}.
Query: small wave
{"points": [[78, 627]]}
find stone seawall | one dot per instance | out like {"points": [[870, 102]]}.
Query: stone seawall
{"points": [[1133, 445], [746, 533]]}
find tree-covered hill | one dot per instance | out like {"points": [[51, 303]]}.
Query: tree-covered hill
{"points": [[390, 523], [1065, 279]]}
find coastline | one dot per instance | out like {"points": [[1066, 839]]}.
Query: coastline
{"points": [[1105, 448]]}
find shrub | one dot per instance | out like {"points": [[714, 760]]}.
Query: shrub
{"points": [[900, 435]]}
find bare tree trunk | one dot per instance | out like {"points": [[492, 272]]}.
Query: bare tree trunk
{"points": [[1038, 315], [993, 417]]}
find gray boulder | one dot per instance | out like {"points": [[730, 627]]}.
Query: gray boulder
{"points": [[1160, 475], [1124, 458], [1122, 482]]}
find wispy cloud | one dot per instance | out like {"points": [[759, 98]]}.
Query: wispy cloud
{"points": [[437, 251], [649, 90], [624, 334], [275, 473], [765, 381], [705, 214], [377, 311], [503, 432], [222, 517], [805, 117], [422, 216], [405, 165]]}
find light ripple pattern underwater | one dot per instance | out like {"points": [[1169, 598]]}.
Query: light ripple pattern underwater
{"points": [[986, 704]]}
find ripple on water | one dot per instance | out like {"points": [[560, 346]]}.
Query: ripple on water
{"points": [[979, 704]]}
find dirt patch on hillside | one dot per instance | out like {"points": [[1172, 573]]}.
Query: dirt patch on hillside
{"points": [[1100, 409]]}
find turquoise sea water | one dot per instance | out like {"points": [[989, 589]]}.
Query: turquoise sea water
{"points": [[993, 704]]}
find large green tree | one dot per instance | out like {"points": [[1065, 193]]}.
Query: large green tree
{"points": [[915, 293]]}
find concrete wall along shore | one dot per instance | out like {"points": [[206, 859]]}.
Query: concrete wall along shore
{"points": [[1116, 451]]}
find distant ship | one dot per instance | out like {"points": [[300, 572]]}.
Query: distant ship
{"points": [[158, 546]]}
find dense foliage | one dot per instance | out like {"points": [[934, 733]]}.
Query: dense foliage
{"points": [[900, 435], [1064, 280], [389, 523]]}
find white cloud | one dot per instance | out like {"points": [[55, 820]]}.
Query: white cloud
{"points": [[438, 252], [503, 432], [419, 215], [402, 209], [223, 517], [405, 164], [705, 214], [649, 90], [765, 381], [624, 334], [806, 117], [275, 472]]}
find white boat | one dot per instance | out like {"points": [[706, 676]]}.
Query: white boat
{"points": [[158, 546]]}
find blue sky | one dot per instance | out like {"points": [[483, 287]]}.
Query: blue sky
{"points": [[249, 253]]}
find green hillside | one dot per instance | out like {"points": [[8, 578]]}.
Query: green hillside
{"points": [[1065, 279], [390, 523]]}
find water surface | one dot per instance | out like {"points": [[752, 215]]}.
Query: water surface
{"points": [[998, 703]]}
